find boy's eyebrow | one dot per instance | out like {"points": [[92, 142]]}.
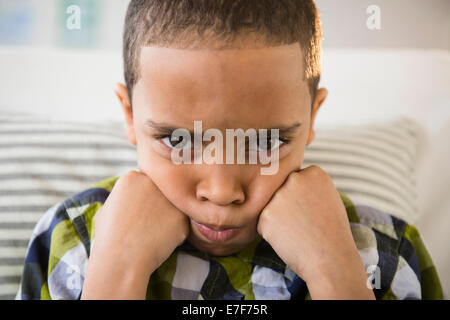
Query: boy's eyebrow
{"points": [[287, 129], [163, 128], [167, 128]]}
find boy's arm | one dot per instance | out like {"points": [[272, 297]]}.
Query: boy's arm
{"points": [[306, 224], [112, 274], [130, 243], [136, 230]]}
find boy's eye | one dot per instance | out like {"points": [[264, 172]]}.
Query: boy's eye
{"points": [[266, 144], [176, 142], [271, 145], [258, 145]]}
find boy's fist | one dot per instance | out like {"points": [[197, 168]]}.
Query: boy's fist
{"points": [[306, 223], [140, 219], [136, 230]]}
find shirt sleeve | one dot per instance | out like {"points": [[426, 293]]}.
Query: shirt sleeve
{"points": [[55, 259], [416, 276]]}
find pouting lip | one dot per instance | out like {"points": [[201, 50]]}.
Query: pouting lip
{"points": [[215, 228], [216, 236]]}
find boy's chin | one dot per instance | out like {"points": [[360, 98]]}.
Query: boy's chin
{"points": [[215, 249]]}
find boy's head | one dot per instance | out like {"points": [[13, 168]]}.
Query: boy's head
{"points": [[222, 24], [251, 64]]}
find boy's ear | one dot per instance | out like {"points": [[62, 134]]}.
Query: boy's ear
{"points": [[122, 95], [321, 95]]}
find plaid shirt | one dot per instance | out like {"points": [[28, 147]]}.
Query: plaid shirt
{"points": [[397, 262]]}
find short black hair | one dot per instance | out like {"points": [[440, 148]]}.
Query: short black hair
{"points": [[191, 24]]}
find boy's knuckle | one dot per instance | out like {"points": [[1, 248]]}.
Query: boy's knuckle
{"points": [[265, 215], [317, 171], [277, 196], [314, 169], [293, 180], [132, 178], [127, 177]]}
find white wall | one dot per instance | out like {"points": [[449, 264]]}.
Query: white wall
{"points": [[404, 23]]}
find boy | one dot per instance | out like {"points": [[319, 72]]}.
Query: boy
{"points": [[222, 231]]}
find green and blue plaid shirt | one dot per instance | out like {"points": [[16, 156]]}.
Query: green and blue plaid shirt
{"points": [[397, 262]]}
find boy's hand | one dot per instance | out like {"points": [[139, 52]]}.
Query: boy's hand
{"points": [[306, 223], [136, 230]]}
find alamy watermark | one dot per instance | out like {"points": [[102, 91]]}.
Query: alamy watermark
{"points": [[73, 22], [374, 277], [73, 281], [374, 19], [213, 152]]}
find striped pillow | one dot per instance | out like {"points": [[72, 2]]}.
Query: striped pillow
{"points": [[42, 162], [373, 164]]}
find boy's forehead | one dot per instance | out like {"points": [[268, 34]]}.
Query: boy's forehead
{"points": [[229, 84], [190, 63]]}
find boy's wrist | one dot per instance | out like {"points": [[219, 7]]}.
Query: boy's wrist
{"points": [[115, 277], [340, 281]]}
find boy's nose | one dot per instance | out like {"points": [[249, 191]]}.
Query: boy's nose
{"points": [[221, 188]]}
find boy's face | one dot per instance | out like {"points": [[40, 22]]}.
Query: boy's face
{"points": [[259, 88]]}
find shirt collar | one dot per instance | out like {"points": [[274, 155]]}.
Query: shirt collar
{"points": [[258, 252]]}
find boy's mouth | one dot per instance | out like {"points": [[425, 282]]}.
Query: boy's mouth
{"points": [[216, 234]]}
